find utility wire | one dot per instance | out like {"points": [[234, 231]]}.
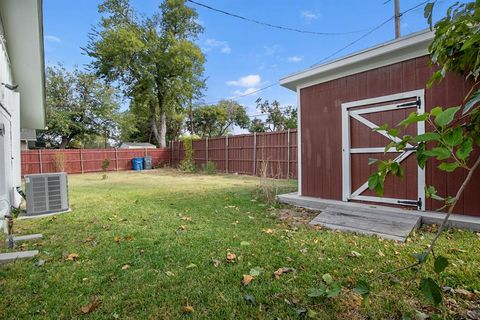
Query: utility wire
{"points": [[266, 24], [369, 33], [245, 94]]}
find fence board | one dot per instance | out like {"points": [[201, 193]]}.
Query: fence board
{"points": [[87, 160], [271, 153]]}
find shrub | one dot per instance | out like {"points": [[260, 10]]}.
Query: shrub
{"points": [[210, 168], [105, 165], [59, 161], [188, 164]]}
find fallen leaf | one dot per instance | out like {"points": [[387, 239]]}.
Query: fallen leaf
{"points": [[92, 306], [249, 299], [72, 257], [216, 263], [457, 250], [281, 271], [40, 263], [188, 219], [89, 239], [191, 266], [125, 267], [128, 238], [244, 243], [188, 309], [465, 293], [255, 272], [117, 239], [231, 257], [268, 231], [169, 273], [247, 279], [354, 254], [380, 253]]}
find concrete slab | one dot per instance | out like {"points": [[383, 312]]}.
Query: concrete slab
{"points": [[27, 237], [427, 217], [13, 256]]}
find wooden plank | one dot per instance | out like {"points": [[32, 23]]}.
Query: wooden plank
{"points": [[13, 256], [366, 223], [375, 213]]}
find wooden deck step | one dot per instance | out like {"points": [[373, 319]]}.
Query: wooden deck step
{"points": [[371, 221]]}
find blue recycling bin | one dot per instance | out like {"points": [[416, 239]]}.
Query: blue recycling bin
{"points": [[137, 164]]}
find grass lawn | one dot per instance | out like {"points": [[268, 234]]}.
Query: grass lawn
{"points": [[146, 241]]}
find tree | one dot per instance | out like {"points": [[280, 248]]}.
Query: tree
{"points": [[217, 120], [277, 118], [154, 60], [79, 107], [454, 137]]}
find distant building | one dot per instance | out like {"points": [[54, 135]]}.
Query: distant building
{"points": [[28, 137], [137, 145]]}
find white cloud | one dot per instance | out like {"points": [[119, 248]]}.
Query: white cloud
{"points": [[308, 15], [246, 91], [249, 81], [52, 38], [295, 59], [217, 44]]}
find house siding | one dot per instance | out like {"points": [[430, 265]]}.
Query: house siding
{"points": [[321, 130]]}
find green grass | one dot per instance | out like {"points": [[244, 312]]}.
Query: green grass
{"points": [[224, 211]]}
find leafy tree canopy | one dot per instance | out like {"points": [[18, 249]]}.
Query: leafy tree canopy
{"points": [[277, 117], [79, 107]]}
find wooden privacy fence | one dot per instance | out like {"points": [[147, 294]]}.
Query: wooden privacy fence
{"points": [[87, 160], [271, 153]]}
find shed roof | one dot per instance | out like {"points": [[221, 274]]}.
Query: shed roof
{"points": [[401, 49], [137, 145]]}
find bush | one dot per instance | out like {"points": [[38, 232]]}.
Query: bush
{"points": [[187, 164], [210, 168], [59, 161], [105, 165]]}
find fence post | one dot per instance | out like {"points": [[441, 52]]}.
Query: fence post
{"points": [[40, 160], [226, 154], [81, 159], [288, 154], [254, 153], [116, 159], [206, 150]]}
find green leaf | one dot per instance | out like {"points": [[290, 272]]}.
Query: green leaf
{"points": [[420, 256], [426, 137], [474, 100], [255, 272], [454, 137], [440, 153], [431, 290], [448, 166], [333, 291], [465, 149], [431, 192], [244, 243], [436, 111], [428, 13], [373, 181], [440, 264], [445, 117], [394, 132], [372, 161], [362, 288], [327, 278], [316, 293], [413, 118], [422, 158]]}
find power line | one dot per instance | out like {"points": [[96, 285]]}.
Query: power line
{"points": [[266, 24], [246, 94], [369, 33]]}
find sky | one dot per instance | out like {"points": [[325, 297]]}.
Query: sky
{"points": [[242, 56]]}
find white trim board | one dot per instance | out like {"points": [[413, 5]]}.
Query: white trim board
{"points": [[347, 151], [402, 49]]}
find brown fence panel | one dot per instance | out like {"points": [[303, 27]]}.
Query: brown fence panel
{"points": [[87, 160], [273, 154]]}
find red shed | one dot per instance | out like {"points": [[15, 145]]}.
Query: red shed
{"points": [[340, 102]]}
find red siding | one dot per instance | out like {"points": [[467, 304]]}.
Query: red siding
{"points": [[322, 132]]}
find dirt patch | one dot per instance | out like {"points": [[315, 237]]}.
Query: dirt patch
{"points": [[296, 217]]}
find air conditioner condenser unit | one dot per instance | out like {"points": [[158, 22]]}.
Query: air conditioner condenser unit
{"points": [[46, 193]]}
